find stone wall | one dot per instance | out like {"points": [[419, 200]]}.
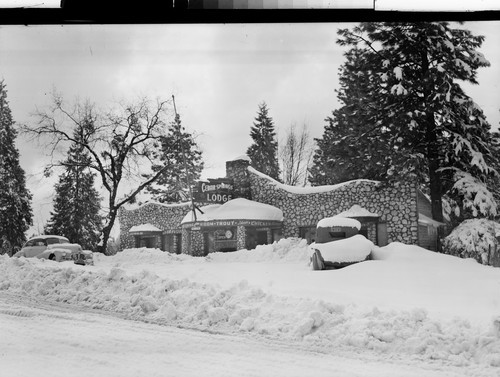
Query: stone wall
{"points": [[163, 216], [302, 207]]}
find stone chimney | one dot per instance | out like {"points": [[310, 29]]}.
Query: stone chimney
{"points": [[237, 169]]}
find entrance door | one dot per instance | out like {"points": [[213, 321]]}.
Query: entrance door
{"points": [[261, 237], [382, 237], [206, 243], [148, 242]]}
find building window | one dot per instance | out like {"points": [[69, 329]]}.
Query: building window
{"points": [[256, 237]]}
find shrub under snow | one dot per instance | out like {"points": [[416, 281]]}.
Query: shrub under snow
{"points": [[474, 238]]}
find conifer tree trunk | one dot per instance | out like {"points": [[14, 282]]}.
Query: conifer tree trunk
{"points": [[433, 165], [432, 145]]}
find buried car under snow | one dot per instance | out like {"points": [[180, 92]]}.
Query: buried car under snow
{"points": [[54, 248], [338, 244]]}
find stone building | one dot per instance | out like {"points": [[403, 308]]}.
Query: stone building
{"points": [[264, 210]]}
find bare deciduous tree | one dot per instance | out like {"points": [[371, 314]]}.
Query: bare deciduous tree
{"points": [[295, 156], [122, 143]]}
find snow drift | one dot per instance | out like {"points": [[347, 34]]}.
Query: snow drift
{"points": [[321, 320]]}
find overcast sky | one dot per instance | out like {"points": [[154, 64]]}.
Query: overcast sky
{"points": [[218, 74]]}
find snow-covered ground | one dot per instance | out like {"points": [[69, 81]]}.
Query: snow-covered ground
{"points": [[406, 311]]}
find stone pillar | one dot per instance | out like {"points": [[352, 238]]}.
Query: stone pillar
{"points": [[196, 243], [241, 236], [185, 241], [269, 236], [237, 170]]}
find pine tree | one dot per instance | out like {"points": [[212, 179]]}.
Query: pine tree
{"points": [[15, 199], [183, 159], [344, 152], [264, 151], [414, 107], [77, 202]]}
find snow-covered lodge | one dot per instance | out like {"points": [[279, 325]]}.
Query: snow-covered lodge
{"points": [[251, 209]]}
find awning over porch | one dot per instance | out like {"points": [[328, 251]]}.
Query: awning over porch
{"points": [[236, 209], [143, 229]]}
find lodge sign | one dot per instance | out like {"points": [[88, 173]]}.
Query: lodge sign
{"points": [[214, 190], [232, 223]]}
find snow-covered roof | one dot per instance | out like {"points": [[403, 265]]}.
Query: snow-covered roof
{"points": [[236, 209], [357, 211], [131, 207], [144, 228], [338, 221], [309, 189], [45, 236], [422, 219]]}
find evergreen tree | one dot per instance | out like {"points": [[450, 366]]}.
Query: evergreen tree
{"points": [[413, 112], [336, 160], [77, 202], [15, 199], [264, 151], [181, 160]]}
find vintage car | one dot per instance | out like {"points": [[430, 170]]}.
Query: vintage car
{"points": [[50, 247], [340, 253], [338, 244]]}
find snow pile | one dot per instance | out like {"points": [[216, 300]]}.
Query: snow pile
{"points": [[353, 249], [144, 256], [285, 250], [237, 209], [243, 308], [474, 238]]}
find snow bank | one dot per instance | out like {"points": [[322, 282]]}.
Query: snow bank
{"points": [[353, 249], [319, 318], [145, 256], [285, 250]]}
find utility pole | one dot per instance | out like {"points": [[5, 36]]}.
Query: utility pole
{"points": [[188, 177]]}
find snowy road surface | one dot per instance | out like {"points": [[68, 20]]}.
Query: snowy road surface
{"points": [[38, 338]]}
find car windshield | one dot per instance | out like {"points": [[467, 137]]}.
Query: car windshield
{"points": [[51, 241]]}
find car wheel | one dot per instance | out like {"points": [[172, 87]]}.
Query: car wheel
{"points": [[52, 257]]}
